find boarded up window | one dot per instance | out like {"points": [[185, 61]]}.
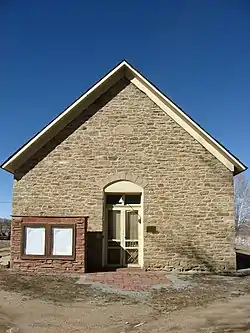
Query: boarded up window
{"points": [[47, 240], [34, 241], [62, 241]]}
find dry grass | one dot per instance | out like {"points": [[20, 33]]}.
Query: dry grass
{"points": [[204, 290], [60, 289], [82, 301], [4, 243], [52, 288]]}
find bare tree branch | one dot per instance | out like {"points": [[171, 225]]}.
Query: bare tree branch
{"points": [[241, 200]]}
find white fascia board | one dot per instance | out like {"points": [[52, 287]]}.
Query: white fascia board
{"points": [[60, 118], [185, 121], [152, 92]]}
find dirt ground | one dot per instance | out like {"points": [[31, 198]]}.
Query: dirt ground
{"points": [[35, 303], [4, 244]]}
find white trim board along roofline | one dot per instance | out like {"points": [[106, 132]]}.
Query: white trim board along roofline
{"points": [[124, 69]]}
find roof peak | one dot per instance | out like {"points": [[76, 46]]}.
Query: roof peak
{"points": [[124, 68]]}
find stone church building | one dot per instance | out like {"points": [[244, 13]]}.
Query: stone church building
{"points": [[123, 178]]}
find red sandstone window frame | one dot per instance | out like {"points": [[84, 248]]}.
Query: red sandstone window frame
{"points": [[48, 253]]}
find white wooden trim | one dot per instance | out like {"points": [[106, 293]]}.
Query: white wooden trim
{"points": [[61, 116], [189, 125], [124, 69], [123, 186], [123, 209]]}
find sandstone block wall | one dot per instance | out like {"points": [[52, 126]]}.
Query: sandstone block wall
{"points": [[188, 193]]}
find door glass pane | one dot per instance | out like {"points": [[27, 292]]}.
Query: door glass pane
{"points": [[132, 199], [114, 224], [131, 225], [114, 199]]}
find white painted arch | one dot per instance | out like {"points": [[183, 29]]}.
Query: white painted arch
{"points": [[123, 186]]}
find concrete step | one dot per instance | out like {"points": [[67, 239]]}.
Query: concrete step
{"points": [[130, 269]]}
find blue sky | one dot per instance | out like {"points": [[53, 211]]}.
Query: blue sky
{"points": [[197, 52]]}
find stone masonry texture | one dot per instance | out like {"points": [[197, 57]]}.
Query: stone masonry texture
{"points": [[188, 193], [48, 265]]}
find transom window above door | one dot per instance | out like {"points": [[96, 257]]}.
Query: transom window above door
{"points": [[123, 199]]}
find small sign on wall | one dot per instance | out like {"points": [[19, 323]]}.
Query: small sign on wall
{"points": [[151, 229]]}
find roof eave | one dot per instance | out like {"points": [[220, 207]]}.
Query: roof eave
{"points": [[13, 162], [123, 68], [239, 169]]}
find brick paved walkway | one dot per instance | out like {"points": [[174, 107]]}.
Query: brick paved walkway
{"points": [[139, 281]]}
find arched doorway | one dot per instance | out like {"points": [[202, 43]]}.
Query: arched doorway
{"points": [[123, 225]]}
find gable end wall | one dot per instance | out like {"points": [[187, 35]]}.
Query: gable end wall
{"points": [[188, 193]]}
